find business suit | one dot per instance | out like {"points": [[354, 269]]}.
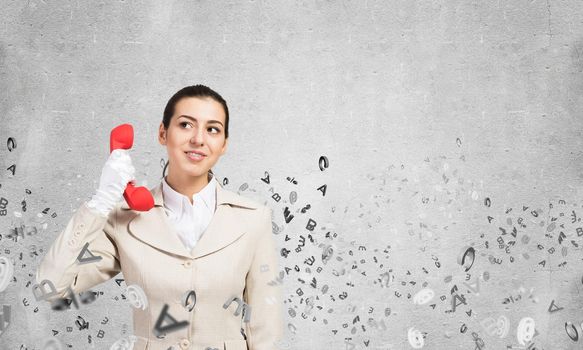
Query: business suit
{"points": [[235, 257]]}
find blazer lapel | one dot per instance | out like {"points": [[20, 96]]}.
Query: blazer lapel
{"points": [[226, 225]]}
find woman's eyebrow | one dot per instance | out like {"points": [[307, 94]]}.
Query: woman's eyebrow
{"points": [[192, 118]]}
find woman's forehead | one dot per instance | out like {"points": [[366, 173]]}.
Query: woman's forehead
{"points": [[200, 109]]}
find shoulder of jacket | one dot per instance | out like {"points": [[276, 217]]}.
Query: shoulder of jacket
{"points": [[239, 200], [246, 202]]}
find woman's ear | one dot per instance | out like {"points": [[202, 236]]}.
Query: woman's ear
{"points": [[224, 150], [162, 134]]}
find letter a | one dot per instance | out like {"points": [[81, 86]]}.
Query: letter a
{"points": [[92, 258], [171, 327]]}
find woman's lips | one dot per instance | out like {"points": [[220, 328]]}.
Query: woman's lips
{"points": [[194, 158]]}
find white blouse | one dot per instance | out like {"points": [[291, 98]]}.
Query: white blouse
{"points": [[190, 220]]}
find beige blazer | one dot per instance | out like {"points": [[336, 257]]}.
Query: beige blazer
{"points": [[235, 257]]}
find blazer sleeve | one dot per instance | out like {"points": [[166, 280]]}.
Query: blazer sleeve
{"points": [[60, 265], [265, 326]]}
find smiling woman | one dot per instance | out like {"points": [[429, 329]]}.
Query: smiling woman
{"points": [[198, 240], [195, 131]]}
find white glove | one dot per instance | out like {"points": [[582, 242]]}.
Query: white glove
{"points": [[115, 175]]}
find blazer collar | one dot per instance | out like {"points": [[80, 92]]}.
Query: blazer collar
{"points": [[153, 227]]}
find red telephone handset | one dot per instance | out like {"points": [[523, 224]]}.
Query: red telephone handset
{"points": [[138, 198]]}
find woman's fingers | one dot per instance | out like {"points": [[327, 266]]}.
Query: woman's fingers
{"points": [[121, 162], [119, 153]]}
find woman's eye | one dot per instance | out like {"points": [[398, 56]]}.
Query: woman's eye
{"points": [[212, 127]]}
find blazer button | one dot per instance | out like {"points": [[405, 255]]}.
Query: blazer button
{"points": [[187, 264], [72, 243], [81, 225], [184, 343], [77, 233]]}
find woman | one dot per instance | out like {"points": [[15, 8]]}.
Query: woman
{"points": [[200, 241]]}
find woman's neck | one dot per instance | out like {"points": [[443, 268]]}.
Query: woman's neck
{"points": [[188, 186]]}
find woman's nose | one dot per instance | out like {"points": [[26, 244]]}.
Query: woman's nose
{"points": [[198, 136]]}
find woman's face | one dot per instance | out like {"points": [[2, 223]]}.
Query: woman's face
{"points": [[197, 125]]}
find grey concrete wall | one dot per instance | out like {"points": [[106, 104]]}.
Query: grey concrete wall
{"points": [[446, 124]]}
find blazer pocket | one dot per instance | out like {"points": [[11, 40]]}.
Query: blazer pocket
{"points": [[236, 345]]}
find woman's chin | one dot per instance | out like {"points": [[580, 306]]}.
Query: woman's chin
{"points": [[196, 172]]}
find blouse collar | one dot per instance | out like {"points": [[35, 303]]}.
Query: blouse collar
{"points": [[175, 201]]}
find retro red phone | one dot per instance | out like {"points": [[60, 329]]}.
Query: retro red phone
{"points": [[138, 198]]}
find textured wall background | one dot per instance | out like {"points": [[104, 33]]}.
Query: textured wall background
{"points": [[446, 124]]}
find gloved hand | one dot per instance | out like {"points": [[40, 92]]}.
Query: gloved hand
{"points": [[115, 175]]}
